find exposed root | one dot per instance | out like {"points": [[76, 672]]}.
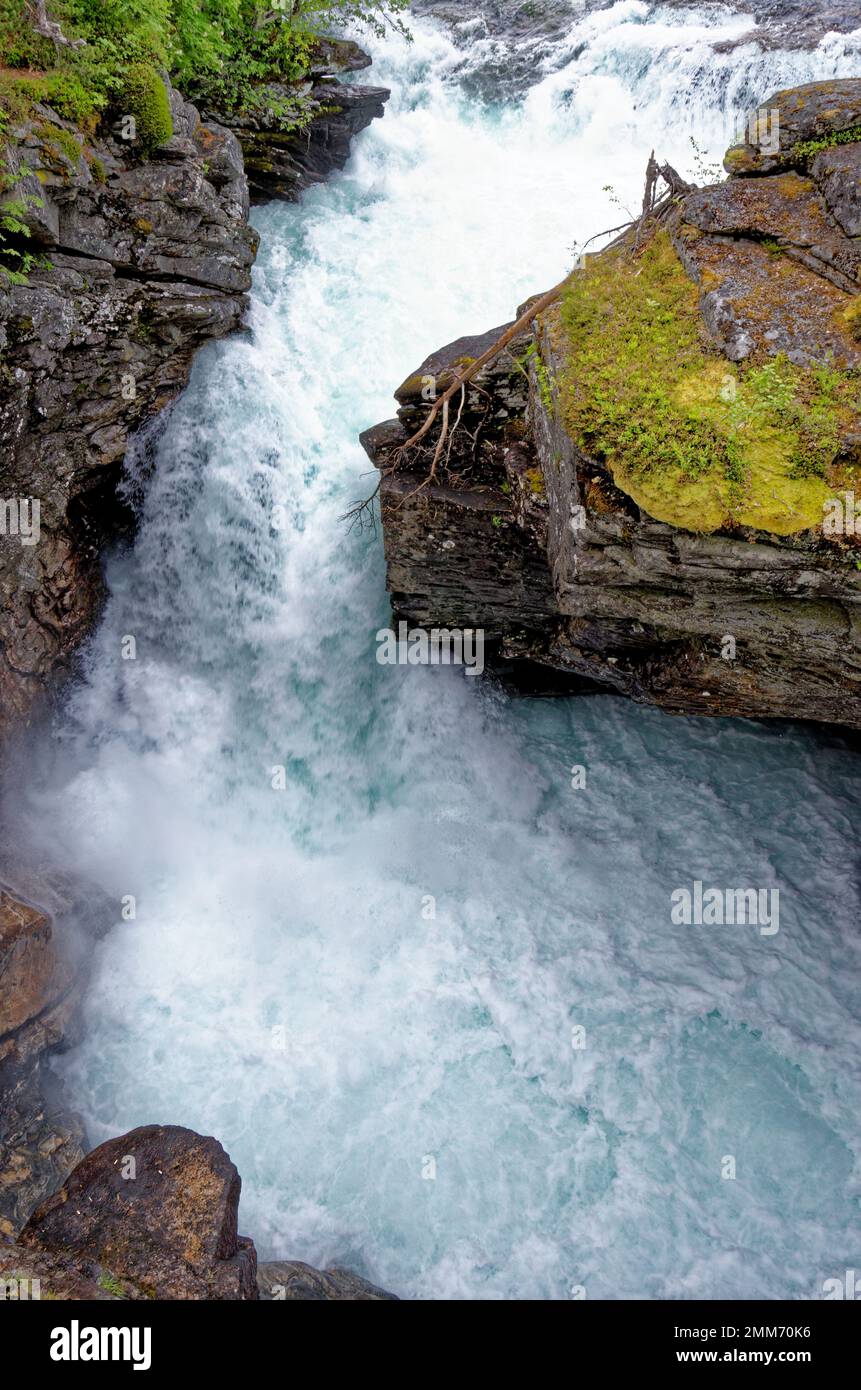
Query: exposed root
{"points": [[655, 210]]}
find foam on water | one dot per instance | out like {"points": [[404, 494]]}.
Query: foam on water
{"points": [[284, 985]]}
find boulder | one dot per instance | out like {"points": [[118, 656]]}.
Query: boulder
{"points": [[154, 1214]]}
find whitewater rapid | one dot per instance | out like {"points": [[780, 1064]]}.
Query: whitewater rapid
{"points": [[370, 985]]}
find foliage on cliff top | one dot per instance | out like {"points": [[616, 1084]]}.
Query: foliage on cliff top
{"points": [[697, 441], [220, 52]]}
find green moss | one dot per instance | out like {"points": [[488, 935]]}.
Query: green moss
{"points": [[852, 318], [111, 1284], [535, 481], [144, 96], [696, 441], [805, 150], [56, 138]]}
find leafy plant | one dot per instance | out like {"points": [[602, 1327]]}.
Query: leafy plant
{"points": [[804, 150], [16, 261]]}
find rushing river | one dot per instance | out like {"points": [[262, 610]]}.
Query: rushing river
{"points": [[400, 1081]]}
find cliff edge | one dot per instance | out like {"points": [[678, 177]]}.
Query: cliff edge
{"points": [[651, 491]]}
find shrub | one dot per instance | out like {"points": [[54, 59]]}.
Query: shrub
{"points": [[144, 96]]}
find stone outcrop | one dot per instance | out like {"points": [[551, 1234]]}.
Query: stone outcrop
{"points": [[281, 165], [153, 1215], [526, 535], [144, 262]]}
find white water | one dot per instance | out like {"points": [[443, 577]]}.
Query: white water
{"points": [[408, 1039]]}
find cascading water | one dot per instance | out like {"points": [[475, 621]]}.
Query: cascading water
{"points": [[394, 1076]]}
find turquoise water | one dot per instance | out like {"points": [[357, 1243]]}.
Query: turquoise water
{"points": [[397, 1078]]}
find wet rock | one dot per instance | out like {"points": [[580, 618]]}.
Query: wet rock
{"points": [[41, 984], [145, 261], [152, 1214], [291, 1280], [469, 552], [283, 164]]}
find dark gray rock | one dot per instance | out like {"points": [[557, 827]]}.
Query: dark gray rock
{"points": [[281, 165], [283, 1280], [810, 112], [838, 173], [145, 261]]}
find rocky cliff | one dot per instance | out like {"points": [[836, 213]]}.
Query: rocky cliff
{"points": [[142, 260], [651, 491]]}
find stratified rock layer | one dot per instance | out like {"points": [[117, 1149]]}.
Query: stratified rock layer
{"points": [[522, 533]]}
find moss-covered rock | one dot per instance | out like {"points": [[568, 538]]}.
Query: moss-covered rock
{"points": [[695, 440]]}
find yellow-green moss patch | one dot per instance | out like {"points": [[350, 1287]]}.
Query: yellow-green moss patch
{"points": [[695, 440]]}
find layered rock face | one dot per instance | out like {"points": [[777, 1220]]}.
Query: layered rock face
{"points": [[528, 535], [280, 165], [145, 262]]}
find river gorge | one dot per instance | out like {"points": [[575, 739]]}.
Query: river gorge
{"points": [[371, 928]]}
